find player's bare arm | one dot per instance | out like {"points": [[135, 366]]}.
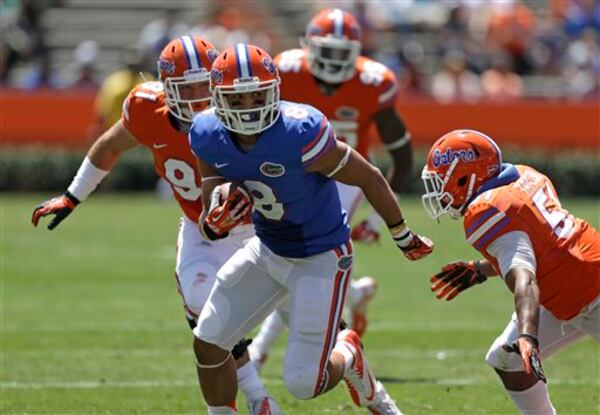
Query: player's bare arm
{"points": [[111, 145], [396, 139], [100, 160], [345, 165], [523, 284]]}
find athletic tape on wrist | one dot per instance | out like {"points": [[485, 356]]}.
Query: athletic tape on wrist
{"points": [[86, 180]]}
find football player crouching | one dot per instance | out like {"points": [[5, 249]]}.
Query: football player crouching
{"points": [[548, 258]]}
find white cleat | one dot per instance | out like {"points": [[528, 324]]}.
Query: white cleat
{"points": [[383, 404], [358, 378], [264, 406], [367, 286]]}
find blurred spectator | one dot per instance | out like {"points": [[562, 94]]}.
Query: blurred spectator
{"points": [[155, 36], [41, 75], [499, 82], [582, 65], [114, 90], [224, 28], [578, 15], [455, 81], [510, 28], [83, 70], [23, 38]]}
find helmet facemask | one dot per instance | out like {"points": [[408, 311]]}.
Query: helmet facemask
{"points": [[187, 95], [438, 200], [247, 121], [330, 59]]}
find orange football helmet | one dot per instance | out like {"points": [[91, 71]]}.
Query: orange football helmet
{"points": [[239, 70], [333, 42], [457, 165], [184, 69]]}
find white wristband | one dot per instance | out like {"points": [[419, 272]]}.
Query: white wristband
{"points": [[86, 180], [403, 237]]}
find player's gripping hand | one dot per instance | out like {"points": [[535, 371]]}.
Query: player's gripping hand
{"points": [[227, 213], [364, 232], [60, 207], [528, 347], [412, 245], [455, 278]]}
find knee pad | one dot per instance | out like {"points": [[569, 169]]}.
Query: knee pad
{"points": [[498, 358], [301, 383], [195, 287]]}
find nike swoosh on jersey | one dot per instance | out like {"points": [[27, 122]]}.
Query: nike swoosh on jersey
{"points": [[158, 146], [219, 165]]}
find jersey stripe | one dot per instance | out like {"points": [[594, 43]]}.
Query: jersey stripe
{"points": [[485, 215], [485, 227], [491, 233], [316, 147], [191, 55]]}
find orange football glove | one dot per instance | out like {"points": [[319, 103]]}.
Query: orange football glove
{"points": [[60, 207], [455, 278], [363, 232], [528, 347], [233, 211], [419, 247]]}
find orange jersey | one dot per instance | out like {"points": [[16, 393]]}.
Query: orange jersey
{"points": [[351, 107], [146, 116], [567, 249]]}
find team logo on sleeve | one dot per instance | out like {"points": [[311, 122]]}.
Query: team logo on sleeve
{"points": [[272, 169]]}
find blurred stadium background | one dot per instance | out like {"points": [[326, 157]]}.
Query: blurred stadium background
{"points": [[85, 309]]}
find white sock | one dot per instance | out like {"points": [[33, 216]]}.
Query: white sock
{"points": [[269, 332], [353, 295], [249, 383], [221, 410], [343, 348], [533, 401]]}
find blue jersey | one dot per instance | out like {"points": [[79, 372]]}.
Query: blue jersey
{"points": [[296, 213]]}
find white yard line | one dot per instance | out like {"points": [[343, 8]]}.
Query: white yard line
{"points": [[83, 384], [180, 326]]}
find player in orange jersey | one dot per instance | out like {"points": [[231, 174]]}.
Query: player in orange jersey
{"points": [[158, 116], [548, 258], [354, 92]]}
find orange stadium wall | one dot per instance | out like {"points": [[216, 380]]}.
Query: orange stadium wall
{"points": [[63, 118]]}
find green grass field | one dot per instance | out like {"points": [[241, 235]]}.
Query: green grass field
{"points": [[92, 323]]}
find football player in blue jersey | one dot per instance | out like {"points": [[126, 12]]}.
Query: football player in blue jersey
{"points": [[283, 159]]}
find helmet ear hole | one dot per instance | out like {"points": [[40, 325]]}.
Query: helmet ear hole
{"points": [[462, 181]]}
